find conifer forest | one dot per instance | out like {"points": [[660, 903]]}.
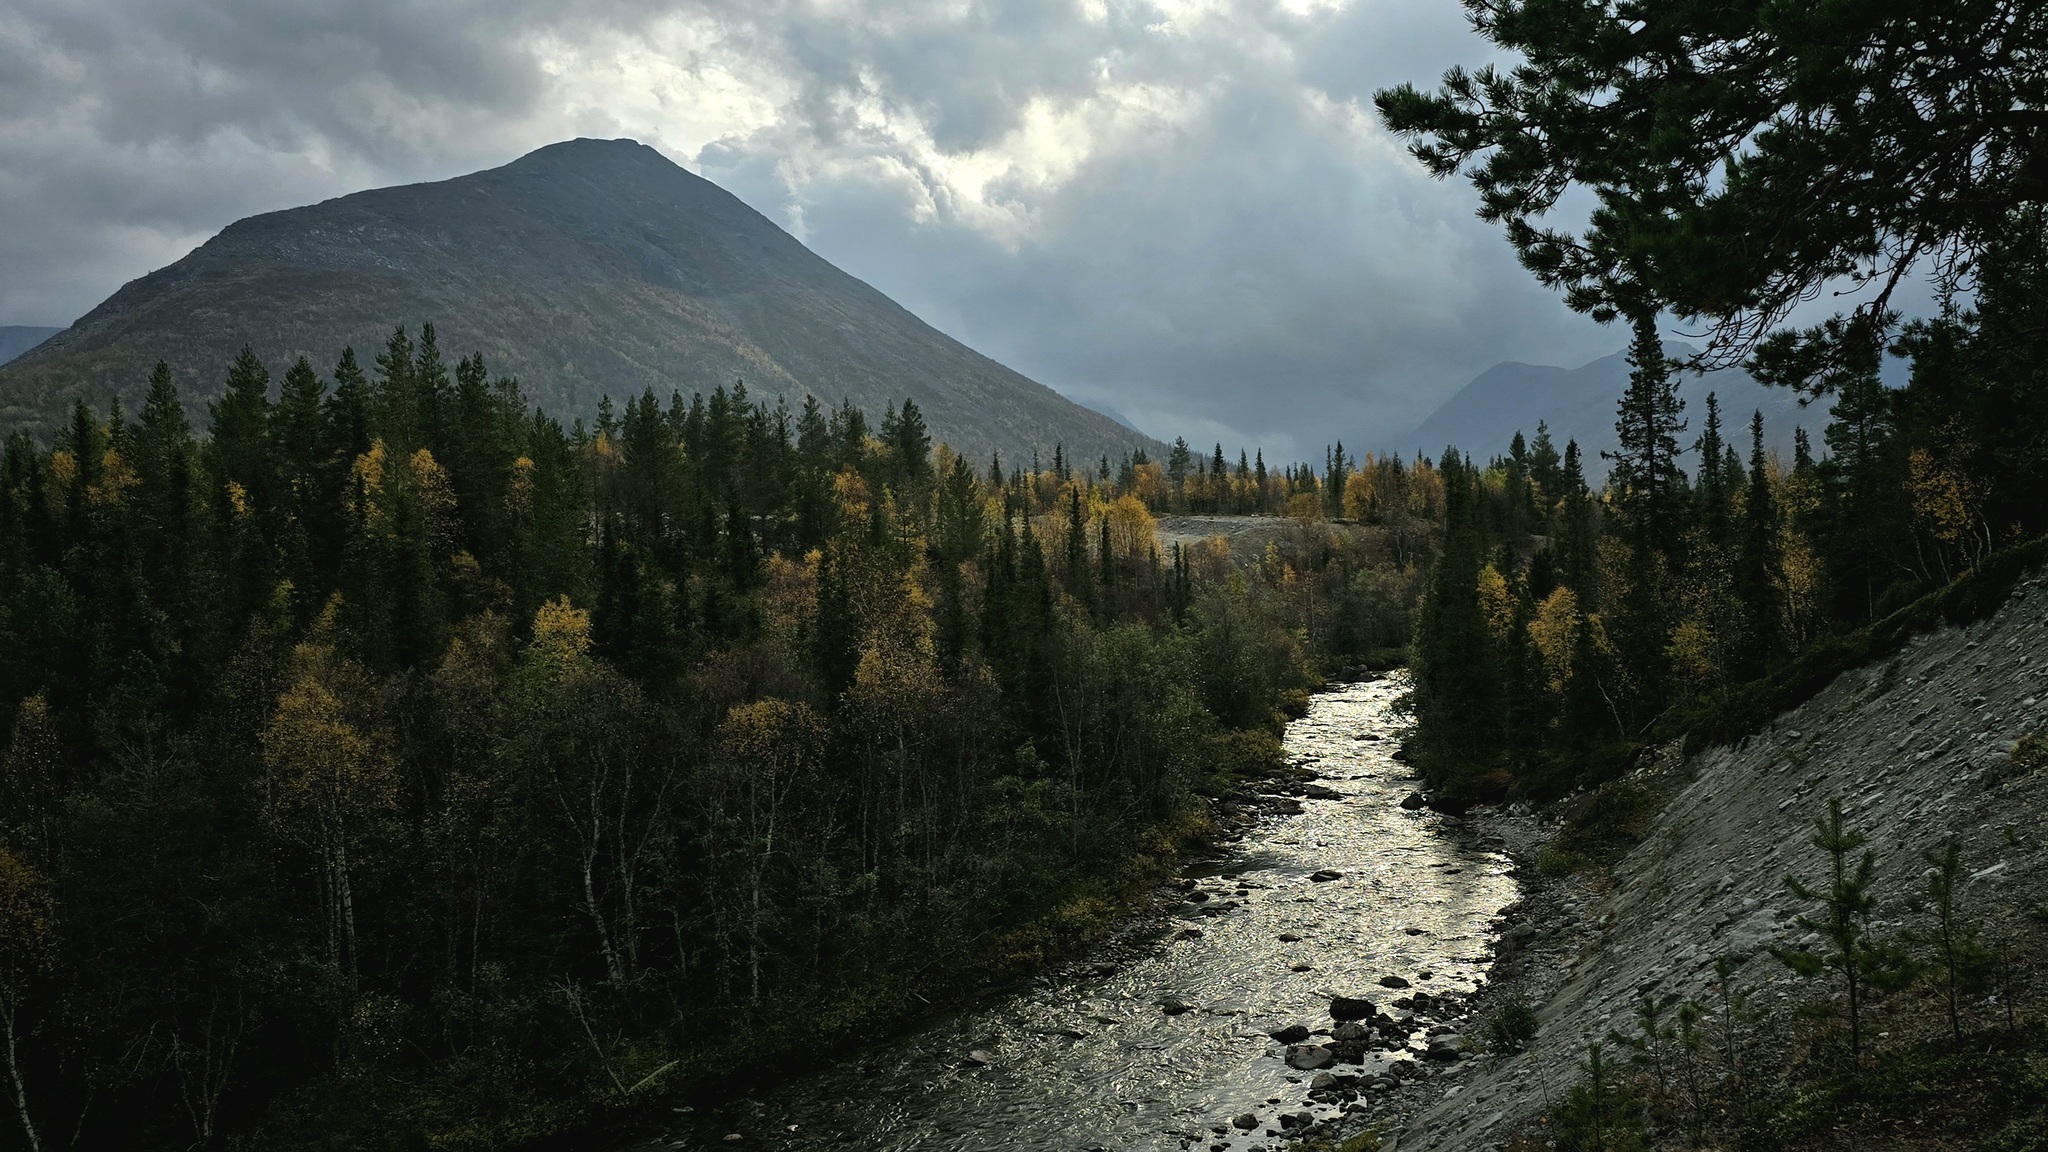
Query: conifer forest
{"points": [[392, 762]]}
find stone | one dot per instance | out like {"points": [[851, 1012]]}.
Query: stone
{"points": [[1289, 938], [1245, 1122], [1350, 1032], [1414, 802], [1350, 1008], [1325, 875], [1175, 1006], [978, 1059], [1322, 792], [1292, 1120], [1392, 982], [1444, 1049], [1308, 1057], [1292, 1034], [1322, 1082]]}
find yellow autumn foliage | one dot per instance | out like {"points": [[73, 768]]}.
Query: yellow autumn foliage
{"points": [[561, 631], [1496, 602], [1132, 530], [1555, 632]]}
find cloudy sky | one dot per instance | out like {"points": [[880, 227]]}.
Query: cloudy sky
{"points": [[1181, 209]]}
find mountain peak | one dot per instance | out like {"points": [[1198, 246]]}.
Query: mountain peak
{"points": [[585, 268]]}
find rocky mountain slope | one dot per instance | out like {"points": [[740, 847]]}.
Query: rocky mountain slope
{"points": [[1916, 748], [585, 268], [1578, 404]]}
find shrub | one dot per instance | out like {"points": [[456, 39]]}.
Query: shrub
{"points": [[1511, 1027]]}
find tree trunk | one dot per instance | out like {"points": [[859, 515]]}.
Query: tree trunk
{"points": [[28, 1124]]}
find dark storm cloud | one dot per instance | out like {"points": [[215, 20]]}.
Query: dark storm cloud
{"points": [[1183, 210]]}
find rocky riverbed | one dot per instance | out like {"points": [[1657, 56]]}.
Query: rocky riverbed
{"points": [[1315, 972]]}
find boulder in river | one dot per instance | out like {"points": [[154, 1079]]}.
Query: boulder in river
{"points": [[1351, 1032], [1292, 1034], [978, 1059], [1175, 1006], [1324, 876], [1289, 938], [1350, 1008], [1392, 982], [1322, 792], [1414, 802], [1245, 1122], [1308, 1057]]}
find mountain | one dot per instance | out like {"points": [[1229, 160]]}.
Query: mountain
{"points": [[16, 339], [586, 268], [1579, 403]]}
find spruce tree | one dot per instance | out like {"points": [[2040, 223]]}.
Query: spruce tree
{"points": [[1710, 493], [351, 410], [1645, 480], [1080, 580], [238, 432], [1760, 564], [397, 397]]}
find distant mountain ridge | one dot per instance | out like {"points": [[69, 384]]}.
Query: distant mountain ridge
{"points": [[1579, 403], [18, 338], [587, 268]]}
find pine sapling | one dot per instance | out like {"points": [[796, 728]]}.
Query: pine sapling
{"points": [[1734, 1002], [1846, 905], [1958, 957]]}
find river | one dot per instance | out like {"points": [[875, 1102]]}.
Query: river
{"points": [[1091, 1060]]}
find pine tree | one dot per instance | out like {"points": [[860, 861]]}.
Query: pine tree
{"points": [[238, 433], [1710, 493], [1758, 569], [433, 402], [1457, 690], [1846, 904], [350, 409], [397, 396], [1080, 579], [1545, 468], [1645, 480]]}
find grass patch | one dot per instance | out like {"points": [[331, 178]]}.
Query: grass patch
{"points": [[1599, 828], [1988, 1093]]}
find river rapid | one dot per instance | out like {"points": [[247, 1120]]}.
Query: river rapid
{"points": [[1162, 1046]]}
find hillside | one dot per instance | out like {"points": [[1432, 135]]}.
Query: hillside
{"points": [[1917, 748], [586, 268], [1578, 404], [16, 339]]}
